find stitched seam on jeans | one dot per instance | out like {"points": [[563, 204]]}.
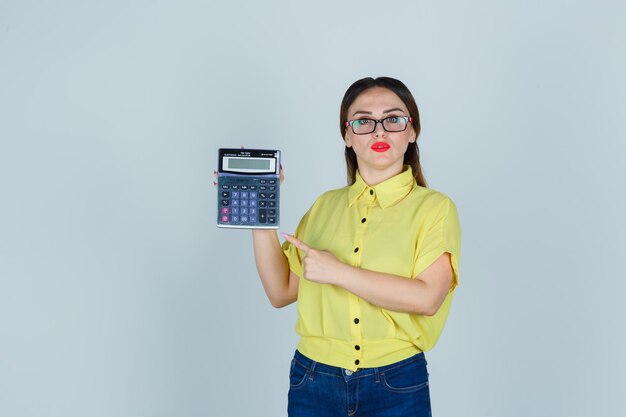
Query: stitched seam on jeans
{"points": [[404, 389], [304, 378], [326, 373]]}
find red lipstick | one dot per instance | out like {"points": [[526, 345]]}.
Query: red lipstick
{"points": [[380, 147]]}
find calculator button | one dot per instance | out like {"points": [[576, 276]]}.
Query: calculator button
{"points": [[272, 181], [272, 195], [225, 187], [271, 212], [262, 195], [244, 211], [224, 219], [262, 203], [271, 220], [271, 203], [235, 219], [225, 194], [253, 187], [235, 194], [244, 219], [272, 188], [234, 210], [225, 210], [244, 194], [252, 212], [262, 216], [235, 187], [225, 202], [243, 203], [252, 203], [263, 181], [234, 203], [262, 188], [253, 194], [244, 187]]}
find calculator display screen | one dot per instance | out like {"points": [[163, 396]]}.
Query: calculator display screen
{"points": [[248, 163]]}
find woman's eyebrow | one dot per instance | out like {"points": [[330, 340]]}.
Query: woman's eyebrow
{"points": [[392, 110], [384, 112]]}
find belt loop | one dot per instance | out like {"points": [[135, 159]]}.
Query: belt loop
{"points": [[312, 370], [377, 374]]}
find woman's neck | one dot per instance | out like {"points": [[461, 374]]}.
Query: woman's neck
{"points": [[373, 176]]}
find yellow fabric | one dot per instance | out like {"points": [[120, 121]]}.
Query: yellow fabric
{"points": [[406, 228]]}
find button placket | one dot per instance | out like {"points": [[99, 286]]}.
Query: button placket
{"points": [[357, 339], [364, 208], [355, 326]]}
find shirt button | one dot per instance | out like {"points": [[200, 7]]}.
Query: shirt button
{"points": [[356, 250], [357, 347], [348, 372], [356, 321], [356, 362], [363, 220], [371, 192]]}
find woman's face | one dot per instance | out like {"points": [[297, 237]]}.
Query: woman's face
{"points": [[380, 154]]}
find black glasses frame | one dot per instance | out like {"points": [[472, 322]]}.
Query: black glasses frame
{"points": [[381, 121]]}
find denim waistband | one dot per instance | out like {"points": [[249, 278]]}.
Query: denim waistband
{"points": [[337, 371]]}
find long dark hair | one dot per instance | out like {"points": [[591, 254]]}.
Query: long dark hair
{"points": [[412, 154]]}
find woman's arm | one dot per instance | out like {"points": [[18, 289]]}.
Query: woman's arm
{"points": [[422, 295], [279, 283]]}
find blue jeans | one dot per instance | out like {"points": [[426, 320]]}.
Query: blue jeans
{"points": [[396, 390]]}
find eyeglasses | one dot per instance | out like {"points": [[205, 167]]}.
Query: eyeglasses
{"points": [[390, 124]]}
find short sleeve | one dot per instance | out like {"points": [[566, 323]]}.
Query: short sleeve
{"points": [[293, 255], [443, 234]]}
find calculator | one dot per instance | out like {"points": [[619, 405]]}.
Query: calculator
{"points": [[248, 182]]}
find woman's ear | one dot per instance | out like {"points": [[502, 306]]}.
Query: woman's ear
{"points": [[347, 141]]}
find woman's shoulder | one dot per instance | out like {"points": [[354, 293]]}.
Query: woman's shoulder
{"points": [[332, 195], [431, 198]]}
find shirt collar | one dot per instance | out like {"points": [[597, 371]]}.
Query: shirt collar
{"points": [[387, 193]]}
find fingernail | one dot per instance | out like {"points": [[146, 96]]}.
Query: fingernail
{"points": [[283, 234]]}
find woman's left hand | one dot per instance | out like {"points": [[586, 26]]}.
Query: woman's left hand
{"points": [[319, 266]]}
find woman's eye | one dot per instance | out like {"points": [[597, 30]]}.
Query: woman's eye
{"points": [[393, 119], [363, 122]]}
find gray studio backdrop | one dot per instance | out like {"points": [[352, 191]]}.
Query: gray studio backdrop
{"points": [[120, 297]]}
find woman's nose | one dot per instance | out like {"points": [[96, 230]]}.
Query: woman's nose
{"points": [[379, 130]]}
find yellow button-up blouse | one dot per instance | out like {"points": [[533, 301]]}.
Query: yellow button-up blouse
{"points": [[399, 228]]}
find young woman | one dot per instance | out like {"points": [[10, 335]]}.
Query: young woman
{"points": [[372, 266]]}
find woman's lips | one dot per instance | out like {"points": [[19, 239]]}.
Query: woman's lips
{"points": [[380, 147]]}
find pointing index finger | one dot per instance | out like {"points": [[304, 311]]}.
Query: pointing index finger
{"points": [[296, 242]]}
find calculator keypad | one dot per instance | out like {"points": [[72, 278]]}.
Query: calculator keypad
{"points": [[248, 202]]}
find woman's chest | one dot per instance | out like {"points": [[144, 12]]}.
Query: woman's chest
{"points": [[369, 237]]}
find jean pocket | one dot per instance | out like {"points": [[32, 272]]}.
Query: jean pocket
{"points": [[409, 378], [297, 374]]}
